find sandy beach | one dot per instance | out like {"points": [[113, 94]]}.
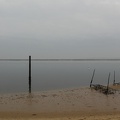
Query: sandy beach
{"points": [[66, 104]]}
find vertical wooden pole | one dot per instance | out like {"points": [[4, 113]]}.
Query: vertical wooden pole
{"points": [[108, 83], [114, 79], [92, 77], [29, 74]]}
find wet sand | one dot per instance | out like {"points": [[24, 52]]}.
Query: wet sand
{"points": [[66, 104]]}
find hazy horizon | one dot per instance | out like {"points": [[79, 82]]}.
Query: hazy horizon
{"points": [[60, 29]]}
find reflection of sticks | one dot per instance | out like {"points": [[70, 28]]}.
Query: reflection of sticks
{"points": [[92, 77]]}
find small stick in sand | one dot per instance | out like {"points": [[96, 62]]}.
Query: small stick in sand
{"points": [[108, 83], [92, 77], [114, 79]]}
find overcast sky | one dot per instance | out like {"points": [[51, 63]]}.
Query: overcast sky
{"points": [[60, 28]]}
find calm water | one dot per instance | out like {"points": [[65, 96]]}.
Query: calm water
{"points": [[49, 75]]}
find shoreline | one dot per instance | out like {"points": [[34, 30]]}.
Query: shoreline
{"points": [[71, 103]]}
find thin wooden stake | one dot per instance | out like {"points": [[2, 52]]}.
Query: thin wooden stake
{"points": [[108, 83], [114, 79], [92, 77], [29, 74]]}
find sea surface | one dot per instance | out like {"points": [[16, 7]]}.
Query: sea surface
{"points": [[55, 74]]}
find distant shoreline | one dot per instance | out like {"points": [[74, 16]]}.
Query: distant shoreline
{"points": [[60, 59]]}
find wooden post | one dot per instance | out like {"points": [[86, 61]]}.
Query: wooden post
{"points": [[29, 74], [92, 77], [108, 84], [114, 79]]}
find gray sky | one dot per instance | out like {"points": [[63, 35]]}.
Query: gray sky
{"points": [[60, 28]]}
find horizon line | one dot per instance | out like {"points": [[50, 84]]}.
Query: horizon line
{"points": [[65, 59]]}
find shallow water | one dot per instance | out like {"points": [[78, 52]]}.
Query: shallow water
{"points": [[49, 75]]}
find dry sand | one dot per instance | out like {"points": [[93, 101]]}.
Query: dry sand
{"points": [[75, 104]]}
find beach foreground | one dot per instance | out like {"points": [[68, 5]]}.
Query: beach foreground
{"points": [[66, 104]]}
